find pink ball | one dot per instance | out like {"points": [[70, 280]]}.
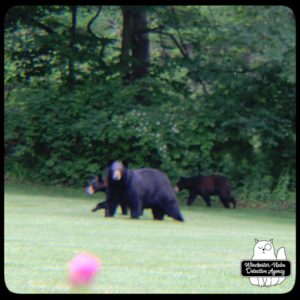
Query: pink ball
{"points": [[83, 269]]}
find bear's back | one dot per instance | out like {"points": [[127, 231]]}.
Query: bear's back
{"points": [[153, 184], [152, 177]]}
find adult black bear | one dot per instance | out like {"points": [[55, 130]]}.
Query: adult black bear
{"points": [[206, 186], [139, 189], [98, 184]]}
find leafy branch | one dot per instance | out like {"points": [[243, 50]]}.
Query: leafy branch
{"points": [[90, 23]]}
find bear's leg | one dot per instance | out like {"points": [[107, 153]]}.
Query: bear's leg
{"points": [[225, 202], [233, 201], [111, 208], [178, 217], [158, 214], [95, 208], [135, 210], [192, 197], [124, 209], [99, 206], [206, 198], [133, 200], [229, 200], [174, 212], [226, 198], [134, 214]]}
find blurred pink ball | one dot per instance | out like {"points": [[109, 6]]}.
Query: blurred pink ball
{"points": [[83, 269]]}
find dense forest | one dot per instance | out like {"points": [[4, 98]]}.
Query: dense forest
{"points": [[185, 89]]}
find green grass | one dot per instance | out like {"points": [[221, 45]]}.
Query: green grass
{"points": [[46, 226]]}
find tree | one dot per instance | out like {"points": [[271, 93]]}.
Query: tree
{"points": [[72, 55], [135, 52]]}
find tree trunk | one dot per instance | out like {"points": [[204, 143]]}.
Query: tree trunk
{"points": [[135, 53], [71, 75], [140, 46], [126, 45]]}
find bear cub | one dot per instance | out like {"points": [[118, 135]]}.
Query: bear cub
{"points": [[207, 186]]}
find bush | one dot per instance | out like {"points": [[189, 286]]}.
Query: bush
{"points": [[60, 137], [259, 192], [57, 137]]}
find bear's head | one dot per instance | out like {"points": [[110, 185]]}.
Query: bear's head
{"points": [[116, 170], [181, 184], [98, 184]]}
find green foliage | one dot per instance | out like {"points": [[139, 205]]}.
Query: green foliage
{"points": [[220, 95], [266, 192]]}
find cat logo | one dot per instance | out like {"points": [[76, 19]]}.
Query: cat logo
{"points": [[266, 269]]}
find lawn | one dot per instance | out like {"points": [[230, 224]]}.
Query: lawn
{"points": [[46, 226]]}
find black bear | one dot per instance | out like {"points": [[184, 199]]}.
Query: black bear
{"points": [[98, 184], [139, 189], [206, 186]]}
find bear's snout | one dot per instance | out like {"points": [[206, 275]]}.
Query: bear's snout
{"points": [[117, 175], [90, 190]]}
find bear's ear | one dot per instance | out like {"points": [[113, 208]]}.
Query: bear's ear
{"points": [[125, 163], [256, 241]]}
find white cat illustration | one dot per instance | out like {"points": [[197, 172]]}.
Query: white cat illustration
{"points": [[264, 250]]}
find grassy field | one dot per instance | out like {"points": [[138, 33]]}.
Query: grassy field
{"points": [[45, 227]]}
